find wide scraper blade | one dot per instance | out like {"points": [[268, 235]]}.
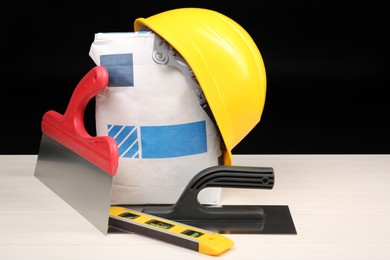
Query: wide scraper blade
{"points": [[76, 166], [81, 184]]}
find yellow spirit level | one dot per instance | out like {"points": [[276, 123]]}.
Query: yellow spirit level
{"points": [[194, 238]]}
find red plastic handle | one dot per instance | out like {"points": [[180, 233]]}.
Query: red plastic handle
{"points": [[69, 129]]}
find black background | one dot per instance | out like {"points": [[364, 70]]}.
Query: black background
{"points": [[326, 62]]}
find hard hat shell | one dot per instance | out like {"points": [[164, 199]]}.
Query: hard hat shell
{"points": [[225, 61]]}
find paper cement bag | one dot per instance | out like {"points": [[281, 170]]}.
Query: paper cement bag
{"points": [[163, 135]]}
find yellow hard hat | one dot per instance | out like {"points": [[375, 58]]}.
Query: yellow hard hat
{"points": [[225, 61]]}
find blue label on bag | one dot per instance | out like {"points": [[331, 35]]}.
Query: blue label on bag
{"points": [[120, 69], [160, 141], [127, 140]]}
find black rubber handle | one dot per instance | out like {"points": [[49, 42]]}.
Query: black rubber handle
{"points": [[188, 208], [233, 177]]}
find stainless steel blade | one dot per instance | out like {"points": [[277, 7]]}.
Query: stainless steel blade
{"points": [[81, 184]]}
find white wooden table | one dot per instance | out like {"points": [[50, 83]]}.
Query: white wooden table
{"points": [[340, 206]]}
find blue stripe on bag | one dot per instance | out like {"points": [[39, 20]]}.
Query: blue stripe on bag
{"points": [[173, 140], [114, 129], [126, 138], [160, 141], [120, 69]]}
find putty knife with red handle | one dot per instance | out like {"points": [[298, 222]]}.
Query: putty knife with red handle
{"points": [[76, 166]]}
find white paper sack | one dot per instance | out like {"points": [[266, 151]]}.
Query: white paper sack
{"points": [[151, 110]]}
